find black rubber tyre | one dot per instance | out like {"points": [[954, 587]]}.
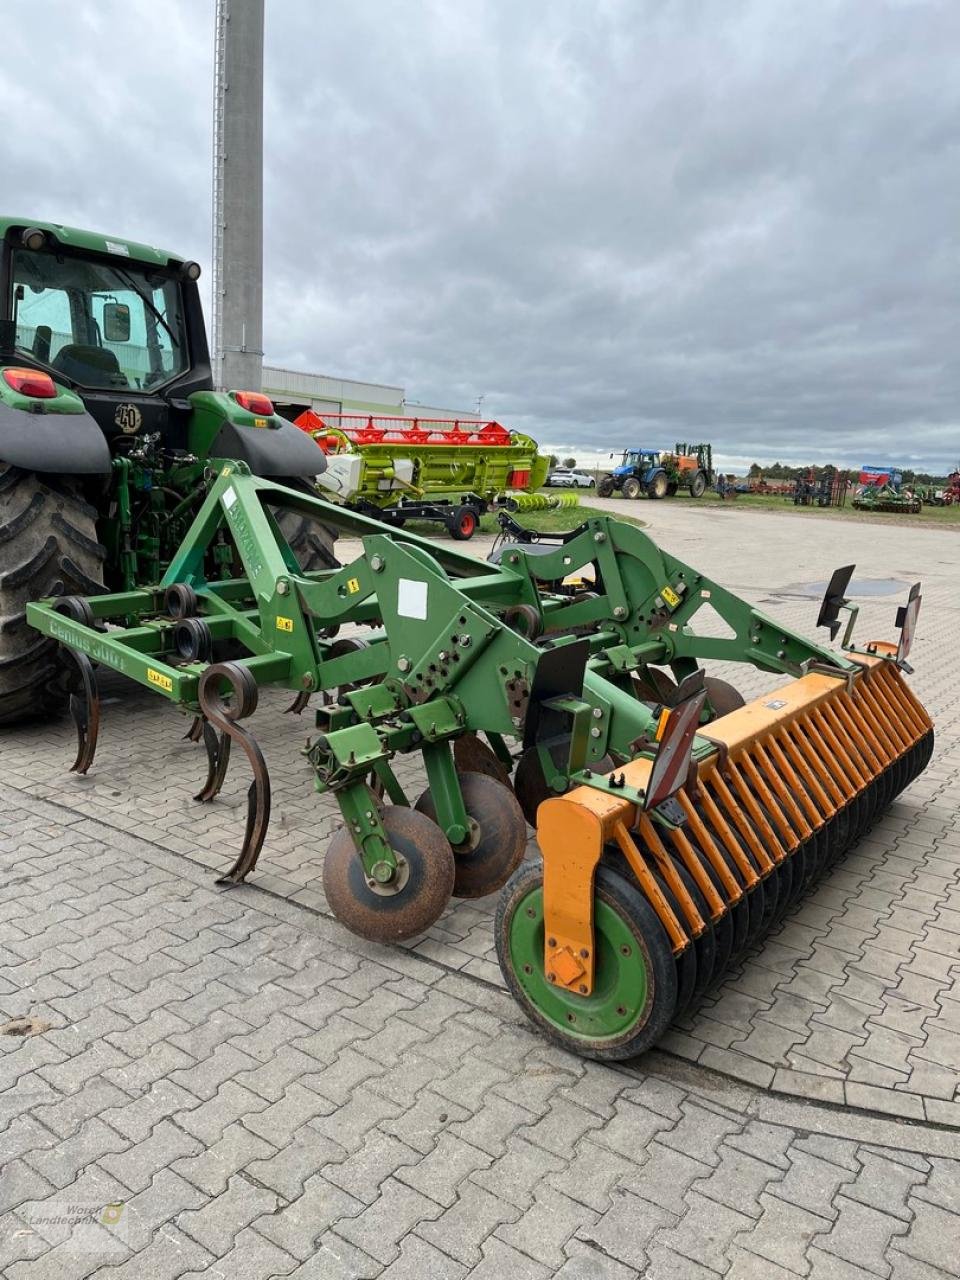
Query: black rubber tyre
{"points": [[632, 488], [311, 542], [605, 487], [486, 861], [672, 490], [658, 486], [48, 547], [462, 524], [698, 485], [632, 908]]}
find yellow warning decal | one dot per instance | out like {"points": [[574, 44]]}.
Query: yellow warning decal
{"points": [[260, 422], [160, 680], [284, 624], [670, 596], [353, 585]]}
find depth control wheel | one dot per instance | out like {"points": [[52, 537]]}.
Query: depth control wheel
{"points": [[635, 984], [498, 835], [419, 892]]}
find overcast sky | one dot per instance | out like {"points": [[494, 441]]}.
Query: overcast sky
{"points": [[621, 221]]}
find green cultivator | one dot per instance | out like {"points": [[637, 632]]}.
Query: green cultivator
{"points": [[676, 822]]}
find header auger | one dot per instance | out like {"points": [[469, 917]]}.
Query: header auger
{"points": [[676, 822]]}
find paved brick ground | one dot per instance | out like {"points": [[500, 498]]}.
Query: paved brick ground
{"points": [[265, 1095]]}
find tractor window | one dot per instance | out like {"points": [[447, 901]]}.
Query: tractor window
{"points": [[67, 311]]}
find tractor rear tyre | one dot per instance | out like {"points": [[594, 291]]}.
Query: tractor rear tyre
{"points": [[658, 486], [48, 547], [698, 485], [462, 524], [605, 487], [635, 981], [632, 488], [310, 541]]}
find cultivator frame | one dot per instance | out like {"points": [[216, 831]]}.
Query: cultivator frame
{"points": [[663, 792]]}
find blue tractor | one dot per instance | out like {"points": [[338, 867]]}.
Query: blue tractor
{"points": [[659, 473]]}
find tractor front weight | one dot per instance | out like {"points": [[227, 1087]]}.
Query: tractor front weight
{"points": [[560, 681]]}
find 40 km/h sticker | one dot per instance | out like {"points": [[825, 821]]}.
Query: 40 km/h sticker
{"points": [[284, 624], [160, 680]]}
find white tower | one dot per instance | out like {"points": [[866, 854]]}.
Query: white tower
{"points": [[237, 328]]}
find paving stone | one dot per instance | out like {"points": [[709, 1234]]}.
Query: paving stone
{"points": [[519, 1170], [700, 1133], [783, 1233], [212, 1170], [217, 1223], [378, 1229], [665, 1177], [278, 1122], [137, 1165], [500, 1261], [210, 1119], [169, 1256], [933, 1237], [811, 1183], [491, 1125], [165, 1199], [737, 1181], [251, 1258], [461, 1229], [704, 1233], [884, 1184], [21, 1182], [592, 1174], [336, 1259], [586, 1263], [631, 1130], [425, 1120], [421, 1261], [544, 1229], [861, 1235], [561, 1128], [439, 1174], [349, 1124], [750, 1266], [363, 1173], [295, 1227]]}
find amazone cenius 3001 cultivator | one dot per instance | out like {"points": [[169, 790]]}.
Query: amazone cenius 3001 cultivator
{"points": [[675, 821]]}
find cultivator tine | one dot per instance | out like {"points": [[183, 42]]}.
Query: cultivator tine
{"points": [[241, 689], [299, 704], [195, 732], [218, 757], [258, 809], [84, 708]]}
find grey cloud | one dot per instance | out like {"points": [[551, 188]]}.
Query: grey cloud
{"points": [[618, 220]]}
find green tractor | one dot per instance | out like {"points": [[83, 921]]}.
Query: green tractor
{"points": [[108, 419]]}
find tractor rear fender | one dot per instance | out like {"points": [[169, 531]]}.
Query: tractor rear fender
{"points": [[68, 443], [270, 446]]}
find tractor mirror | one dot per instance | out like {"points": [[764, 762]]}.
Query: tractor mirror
{"points": [[116, 322]]}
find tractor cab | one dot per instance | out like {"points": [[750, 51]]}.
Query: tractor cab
{"points": [[636, 461], [118, 324]]}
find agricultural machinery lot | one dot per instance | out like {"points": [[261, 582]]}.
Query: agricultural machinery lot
{"points": [[229, 1083]]}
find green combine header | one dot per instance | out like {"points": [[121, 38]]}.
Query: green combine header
{"points": [[445, 470]]}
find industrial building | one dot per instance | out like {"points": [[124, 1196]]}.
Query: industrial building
{"points": [[293, 391]]}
